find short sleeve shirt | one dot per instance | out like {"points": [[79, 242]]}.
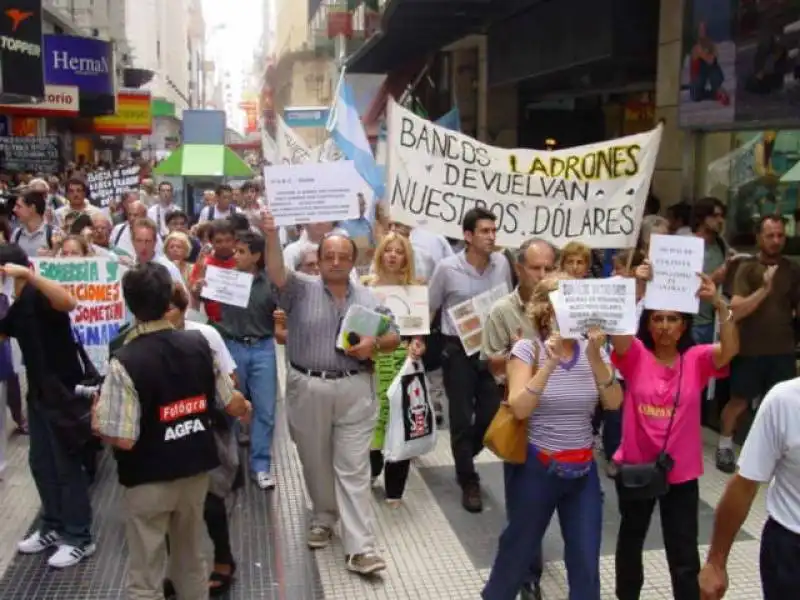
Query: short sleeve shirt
{"points": [[771, 453]]}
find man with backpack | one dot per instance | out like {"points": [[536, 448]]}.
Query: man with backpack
{"points": [[224, 207], [33, 234]]}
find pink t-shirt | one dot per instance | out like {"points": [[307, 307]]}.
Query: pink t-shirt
{"points": [[649, 399]]}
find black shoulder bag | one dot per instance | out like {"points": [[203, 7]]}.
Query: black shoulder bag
{"points": [[648, 481]]}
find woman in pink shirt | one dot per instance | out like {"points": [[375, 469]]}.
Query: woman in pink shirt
{"points": [[665, 374]]}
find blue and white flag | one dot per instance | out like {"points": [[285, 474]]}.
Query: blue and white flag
{"points": [[348, 132]]}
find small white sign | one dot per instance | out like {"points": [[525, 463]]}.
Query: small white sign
{"points": [[607, 303], [227, 286], [676, 261], [409, 306], [313, 192]]}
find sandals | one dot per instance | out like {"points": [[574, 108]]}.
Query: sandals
{"points": [[225, 582]]}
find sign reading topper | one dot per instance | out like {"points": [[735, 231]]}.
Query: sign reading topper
{"points": [[87, 63]]}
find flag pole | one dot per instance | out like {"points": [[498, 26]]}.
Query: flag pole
{"points": [[410, 89]]}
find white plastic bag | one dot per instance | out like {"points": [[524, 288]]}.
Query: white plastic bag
{"points": [[411, 431]]}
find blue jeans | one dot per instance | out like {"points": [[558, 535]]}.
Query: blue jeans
{"points": [[534, 575], [534, 495], [258, 380], [62, 483]]}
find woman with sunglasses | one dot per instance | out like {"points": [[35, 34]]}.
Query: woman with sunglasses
{"points": [[555, 384], [665, 374]]}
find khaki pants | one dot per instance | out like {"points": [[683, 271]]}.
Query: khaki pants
{"points": [[154, 510], [332, 423]]}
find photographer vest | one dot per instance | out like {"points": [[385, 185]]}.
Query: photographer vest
{"points": [[173, 373]]}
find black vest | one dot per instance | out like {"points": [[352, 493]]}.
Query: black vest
{"points": [[173, 372]]}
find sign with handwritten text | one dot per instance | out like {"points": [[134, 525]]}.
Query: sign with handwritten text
{"points": [[96, 283], [676, 261]]}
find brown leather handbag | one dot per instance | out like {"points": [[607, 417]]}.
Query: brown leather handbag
{"points": [[507, 436]]}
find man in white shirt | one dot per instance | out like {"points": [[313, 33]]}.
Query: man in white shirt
{"points": [[771, 455], [145, 238], [165, 205], [223, 208], [77, 191], [121, 237]]}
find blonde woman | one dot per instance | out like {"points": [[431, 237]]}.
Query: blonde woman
{"points": [[393, 264], [555, 384], [575, 260], [178, 247]]}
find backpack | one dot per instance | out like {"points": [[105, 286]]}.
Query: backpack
{"points": [[212, 213], [120, 232], [48, 236]]}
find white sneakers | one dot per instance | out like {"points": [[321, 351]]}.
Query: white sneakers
{"points": [[69, 556], [38, 542], [264, 480], [66, 555]]}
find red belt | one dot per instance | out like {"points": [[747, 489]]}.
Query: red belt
{"points": [[579, 456]]}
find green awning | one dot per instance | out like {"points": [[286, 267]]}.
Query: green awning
{"points": [[203, 160]]}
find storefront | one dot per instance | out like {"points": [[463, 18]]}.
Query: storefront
{"points": [[579, 80], [740, 93]]}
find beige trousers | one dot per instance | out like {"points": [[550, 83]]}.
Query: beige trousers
{"points": [[154, 510], [332, 423]]}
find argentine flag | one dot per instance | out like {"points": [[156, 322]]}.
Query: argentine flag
{"points": [[347, 131]]}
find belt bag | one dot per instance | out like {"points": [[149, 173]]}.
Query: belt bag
{"points": [[648, 481]]}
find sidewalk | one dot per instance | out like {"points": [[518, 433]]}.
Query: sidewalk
{"points": [[434, 549], [267, 531]]}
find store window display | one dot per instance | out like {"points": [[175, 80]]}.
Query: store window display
{"points": [[759, 176]]}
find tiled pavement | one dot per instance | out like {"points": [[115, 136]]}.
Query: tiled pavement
{"points": [[435, 550]]}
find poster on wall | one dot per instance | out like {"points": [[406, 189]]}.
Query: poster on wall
{"points": [[33, 154], [740, 63]]}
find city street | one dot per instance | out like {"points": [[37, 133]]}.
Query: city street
{"points": [[434, 548]]}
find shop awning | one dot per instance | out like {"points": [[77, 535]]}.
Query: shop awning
{"points": [[203, 160], [411, 29]]}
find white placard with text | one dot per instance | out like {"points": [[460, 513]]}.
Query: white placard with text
{"points": [[227, 286], [607, 303], [313, 192], [676, 261]]}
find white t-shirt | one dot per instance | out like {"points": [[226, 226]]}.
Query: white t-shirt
{"points": [[772, 452], [213, 213], [173, 270], [121, 238], [158, 215], [218, 347]]}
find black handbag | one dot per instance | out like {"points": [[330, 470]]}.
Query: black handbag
{"points": [[648, 481]]}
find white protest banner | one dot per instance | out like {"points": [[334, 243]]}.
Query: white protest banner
{"points": [[676, 261], [105, 186], [96, 284], [594, 194], [409, 306], [470, 315], [607, 303], [312, 192]]}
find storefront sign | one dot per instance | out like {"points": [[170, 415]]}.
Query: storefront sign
{"points": [[87, 63], [594, 194], [306, 116], [21, 49], [59, 101], [32, 154], [738, 64], [96, 285], [134, 116]]}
